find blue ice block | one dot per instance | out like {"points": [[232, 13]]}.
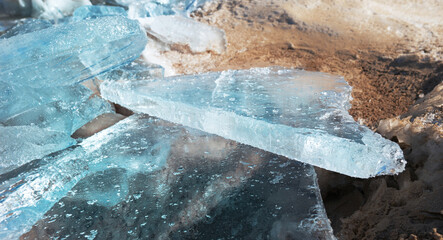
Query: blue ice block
{"points": [[95, 11], [70, 53], [137, 70], [298, 114], [16, 99], [153, 178], [22, 144], [62, 116]]}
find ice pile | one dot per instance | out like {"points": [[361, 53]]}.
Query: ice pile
{"points": [[37, 122], [154, 179], [150, 177], [298, 114], [41, 66]]}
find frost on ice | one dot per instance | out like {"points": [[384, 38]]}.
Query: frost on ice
{"points": [[298, 114], [153, 178]]}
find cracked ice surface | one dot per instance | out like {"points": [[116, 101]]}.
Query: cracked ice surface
{"points": [[65, 54], [298, 114], [161, 181]]}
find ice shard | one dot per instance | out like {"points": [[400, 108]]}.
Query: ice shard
{"points": [[153, 8], [137, 70], [16, 99], [62, 116], [22, 144], [149, 9], [85, 12], [70, 53], [157, 180], [294, 113]]}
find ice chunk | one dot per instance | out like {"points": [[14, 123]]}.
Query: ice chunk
{"points": [[152, 8], [86, 12], [192, 5], [28, 195], [15, 100], [21, 144], [137, 70], [149, 9], [68, 53], [185, 32], [298, 114], [55, 9], [152, 178], [62, 116]]}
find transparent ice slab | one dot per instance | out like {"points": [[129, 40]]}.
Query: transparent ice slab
{"points": [[152, 8], [137, 70], [17, 99], [298, 114], [62, 116], [146, 178], [22, 144], [69, 53], [85, 12]]}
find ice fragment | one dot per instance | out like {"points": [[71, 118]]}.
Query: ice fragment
{"points": [[62, 116], [137, 70], [153, 178], [22, 144], [69, 53], [298, 114], [86, 12]]}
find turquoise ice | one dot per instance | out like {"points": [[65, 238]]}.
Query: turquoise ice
{"points": [[154, 178], [294, 113], [22, 144], [137, 70], [17, 99], [94, 11], [65, 54]]}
